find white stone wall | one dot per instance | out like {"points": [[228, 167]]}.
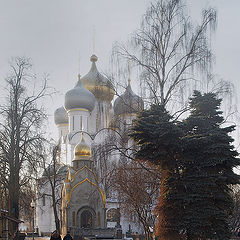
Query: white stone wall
{"points": [[44, 212]]}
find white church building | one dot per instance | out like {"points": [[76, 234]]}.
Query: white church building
{"points": [[87, 121]]}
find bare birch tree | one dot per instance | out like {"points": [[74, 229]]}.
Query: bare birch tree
{"points": [[170, 50]]}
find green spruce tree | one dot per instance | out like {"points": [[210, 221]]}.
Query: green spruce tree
{"points": [[159, 137], [209, 159]]}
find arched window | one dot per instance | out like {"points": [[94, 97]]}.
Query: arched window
{"points": [[44, 199], [73, 218], [81, 123], [86, 219], [98, 219], [112, 215]]}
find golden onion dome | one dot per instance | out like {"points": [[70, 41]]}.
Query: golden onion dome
{"points": [[82, 151], [96, 83]]}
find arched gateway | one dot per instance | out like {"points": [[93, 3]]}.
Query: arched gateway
{"points": [[86, 219]]}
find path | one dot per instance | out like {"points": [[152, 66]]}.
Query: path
{"points": [[37, 238]]}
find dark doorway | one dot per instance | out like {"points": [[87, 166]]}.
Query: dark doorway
{"points": [[86, 219]]}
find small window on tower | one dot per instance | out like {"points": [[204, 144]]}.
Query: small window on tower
{"points": [[99, 219], [73, 218], [43, 200], [112, 215], [73, 123]]}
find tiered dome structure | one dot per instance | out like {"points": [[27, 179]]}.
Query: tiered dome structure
{"points": [[60, 116], [128, 103], [96, 83], [88, 110], [79, 97]]}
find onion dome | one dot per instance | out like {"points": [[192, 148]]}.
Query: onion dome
{"points": [[128, 103], [79, 97], [60, 116], [82, 151], [95, 82]]}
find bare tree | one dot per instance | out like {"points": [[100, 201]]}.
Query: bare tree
{"points": [[170, 50], [27, 194], [21, 134], [134, 184], [50, 184], [138, 187]]}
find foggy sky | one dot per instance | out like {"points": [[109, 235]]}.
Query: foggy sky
{"points": [[54, 33]]}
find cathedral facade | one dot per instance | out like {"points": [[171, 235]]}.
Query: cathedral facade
{"points": [[86, 123]]}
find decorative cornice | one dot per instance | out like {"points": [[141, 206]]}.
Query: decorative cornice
{"points": [[78, 109], [62, 124]]}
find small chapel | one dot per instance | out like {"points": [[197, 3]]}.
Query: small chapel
{"points": [[85, 121]]}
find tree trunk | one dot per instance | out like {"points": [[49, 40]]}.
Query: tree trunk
{"points": [[164, 228], [147, 233], [14, 199], [57, 222]]}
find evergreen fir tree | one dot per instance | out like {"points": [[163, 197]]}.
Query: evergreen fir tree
{"points": [[209, 159], [196, 158], [158, 137]]}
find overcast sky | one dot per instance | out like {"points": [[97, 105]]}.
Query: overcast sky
{"points": [[54, 33]]}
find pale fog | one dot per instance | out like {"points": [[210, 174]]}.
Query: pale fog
{"points": [[60, 36]]}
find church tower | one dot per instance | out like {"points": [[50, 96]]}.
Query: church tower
{"points": [[126, 107], [79, 104], [103, 91], [61, 120], [83, 200]]}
